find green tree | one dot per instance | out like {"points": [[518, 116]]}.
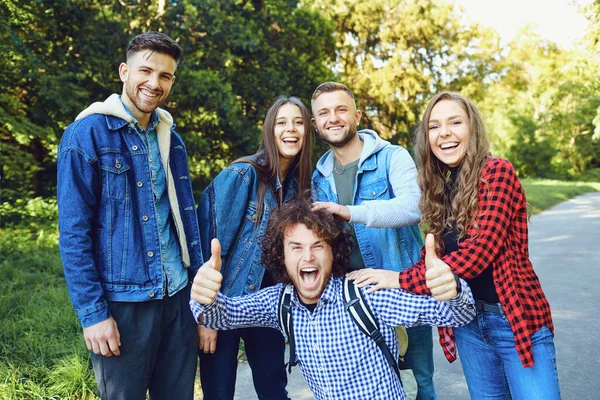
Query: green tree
{"points": [[54, 59], [541, 113], [59, 56], [395, 54], [239, 56]]}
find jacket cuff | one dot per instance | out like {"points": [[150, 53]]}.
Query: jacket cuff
{"points": [[94, 314], [464, 296], [200, 310]]}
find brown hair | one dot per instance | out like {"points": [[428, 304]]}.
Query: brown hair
{"points": [[321, 223], [435, 205], [155, 41], [328, 87], [268, 152]]}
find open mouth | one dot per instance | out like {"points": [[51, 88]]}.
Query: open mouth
{"points": [[308, 277], [448, 146], [335, 128], [290, 140], [149, 94]]}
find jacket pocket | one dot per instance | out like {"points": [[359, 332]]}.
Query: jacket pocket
{"points": [[250, 219], [114, 167], [374, 190]]}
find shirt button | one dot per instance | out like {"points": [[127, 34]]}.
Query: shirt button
{"points": [[134, 148], [251, 287], [145, 218], [150, 254], [140, 184], [151, 294], [321, 369], [372, 193], [316, 347]]}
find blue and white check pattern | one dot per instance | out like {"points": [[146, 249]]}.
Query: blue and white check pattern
{"points": [[337, 359]]}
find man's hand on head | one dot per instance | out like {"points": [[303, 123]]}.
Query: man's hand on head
{"points": [[208, 279], [103, 338], [343, 212], [439, 277]]}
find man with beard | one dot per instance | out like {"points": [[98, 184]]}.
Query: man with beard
{"points": [[372, 185], [310, 250], [129, 236]]}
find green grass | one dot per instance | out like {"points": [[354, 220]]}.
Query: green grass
{"points": [[42, 352], [545, 193]]}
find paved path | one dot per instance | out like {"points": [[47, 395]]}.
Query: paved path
{"points": [[565, 251]]}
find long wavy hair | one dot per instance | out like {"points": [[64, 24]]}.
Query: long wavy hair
{"points": [[268, 169], [459, 209], [321, 223]]}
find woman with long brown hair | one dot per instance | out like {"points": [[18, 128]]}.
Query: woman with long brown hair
{"points": [[235, 208], [475, 207]]}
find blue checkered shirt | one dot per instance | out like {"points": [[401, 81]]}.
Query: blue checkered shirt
{"points": [[337, 359]]}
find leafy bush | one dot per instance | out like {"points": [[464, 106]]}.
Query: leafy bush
{"points": [[34, 213]]}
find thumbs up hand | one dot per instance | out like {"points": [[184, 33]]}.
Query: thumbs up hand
{"points": [[208, 278], [439, 277]]}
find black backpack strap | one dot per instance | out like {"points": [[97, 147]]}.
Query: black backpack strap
{"points": [[284, 314], [356, 305]]}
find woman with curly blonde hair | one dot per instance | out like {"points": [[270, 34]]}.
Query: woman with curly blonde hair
{"points": [[475, 206]]}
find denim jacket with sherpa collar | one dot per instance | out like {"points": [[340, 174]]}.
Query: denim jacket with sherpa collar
{"points": [[228, 211], [109, 239], [391, 248]]}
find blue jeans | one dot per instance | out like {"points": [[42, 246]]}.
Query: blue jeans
{"points": [[419, 358], [491, 364], [265, 348]]}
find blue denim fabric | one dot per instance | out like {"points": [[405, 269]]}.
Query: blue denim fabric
{"points": [[393, 249], [176, 276], [265, 350], [109, 233], [228, 211], [492, 368], [419, 358]]}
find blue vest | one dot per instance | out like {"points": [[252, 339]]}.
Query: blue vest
{"points": [[393, 249]]}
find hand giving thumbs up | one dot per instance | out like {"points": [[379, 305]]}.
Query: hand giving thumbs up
{"points": [[208, 278], [440, 279]]}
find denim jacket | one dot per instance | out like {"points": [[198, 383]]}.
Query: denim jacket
{"points": [[385, 202], [228, 211], [109, 239]]}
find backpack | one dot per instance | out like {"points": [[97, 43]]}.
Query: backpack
{"points": [[362, 316]]}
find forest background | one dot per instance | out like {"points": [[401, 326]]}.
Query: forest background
{"points": [[541, 105]]}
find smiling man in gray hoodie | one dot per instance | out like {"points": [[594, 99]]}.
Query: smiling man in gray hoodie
{"points": [[129, 237], [372, 185]]}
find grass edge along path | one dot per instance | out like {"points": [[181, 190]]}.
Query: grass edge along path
{"points": [[544, 193], [42, 354]]}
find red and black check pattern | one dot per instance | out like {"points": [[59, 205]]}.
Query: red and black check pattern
{"points": [[502, 241]]}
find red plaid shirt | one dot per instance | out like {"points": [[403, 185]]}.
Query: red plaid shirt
{"points": [[501, 241]]}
